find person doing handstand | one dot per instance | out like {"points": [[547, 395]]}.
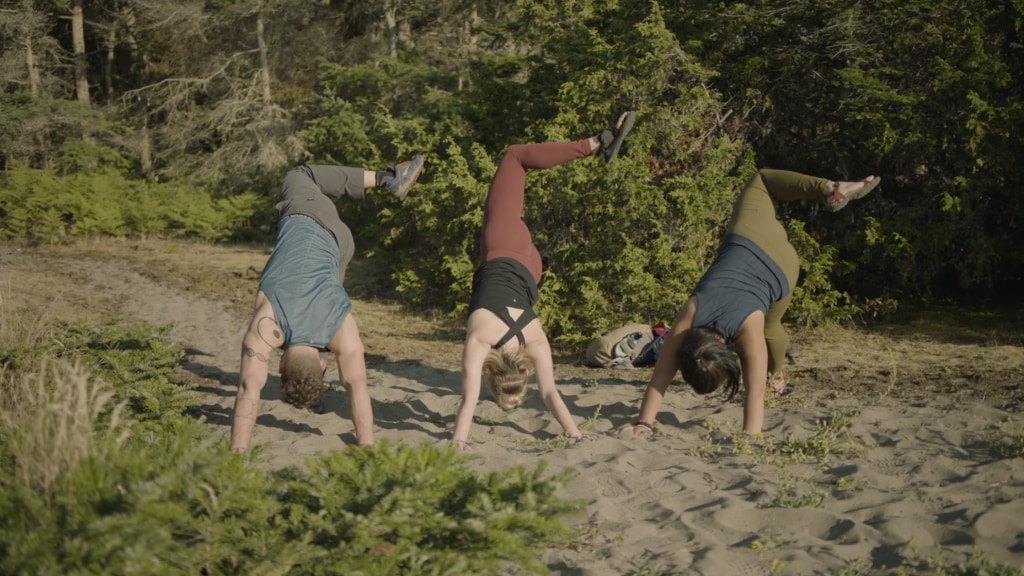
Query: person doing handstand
{"points": [[302, 305], [731, 326], [504, 337]]}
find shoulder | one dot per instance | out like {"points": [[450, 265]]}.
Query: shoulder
{"points": [[684, 315], [263, 328], [751, 330], [482, 324]]}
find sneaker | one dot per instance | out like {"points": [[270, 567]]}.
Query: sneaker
{"points": [[837, 200], [611, 139], [402, 176]]}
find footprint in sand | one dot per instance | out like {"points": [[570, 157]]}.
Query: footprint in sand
{"points": [[724, 561], [893, 466], [613, 488], [665, 485]]}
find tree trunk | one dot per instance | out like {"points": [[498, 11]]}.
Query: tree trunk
{"points": [[108, 70], [145, 144], [28, 28], [470, 43], [78, 45], [391, 26], [264, 62], [33, 68]]}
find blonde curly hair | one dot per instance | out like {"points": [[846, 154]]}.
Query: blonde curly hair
{"points": [[506, 372]]}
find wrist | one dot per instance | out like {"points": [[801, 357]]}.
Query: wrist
{"points": [[649, 425]]}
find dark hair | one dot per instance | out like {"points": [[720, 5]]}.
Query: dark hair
{"points": [[302, 382], [707, 362]]}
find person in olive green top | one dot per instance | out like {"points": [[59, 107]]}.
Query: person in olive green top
{"points": [[730, 329]]}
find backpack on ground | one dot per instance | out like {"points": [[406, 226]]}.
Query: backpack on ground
{"points": [[620, 348]]}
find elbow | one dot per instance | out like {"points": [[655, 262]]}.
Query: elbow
{"points": [[248, 388]]}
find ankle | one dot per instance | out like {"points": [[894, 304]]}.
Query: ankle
{"points": [[831, 187], [604, 139]]}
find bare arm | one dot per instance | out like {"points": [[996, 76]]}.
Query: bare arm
{"points": [[474, 352], [349, 353], [255, 367], [753, 353], [665, 368], [539, 352]]}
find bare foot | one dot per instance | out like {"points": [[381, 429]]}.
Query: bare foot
{"points": [[843, 192], [777, 384]]}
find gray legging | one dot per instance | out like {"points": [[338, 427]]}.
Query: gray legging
{"points": [[754, 218], [311, 191]]}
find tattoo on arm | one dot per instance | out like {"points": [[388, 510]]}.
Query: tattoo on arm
{"points": [[247, 351], [245, 409], [275, 331]]}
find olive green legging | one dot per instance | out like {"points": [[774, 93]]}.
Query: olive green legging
{"points": [[754, 218]]}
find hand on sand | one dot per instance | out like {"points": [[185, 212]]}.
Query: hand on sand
{"points": [[577, 440], [635, 429], [462, 445]]}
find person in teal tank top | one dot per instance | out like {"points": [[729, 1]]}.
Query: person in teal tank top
{"points": [[302, 306]]}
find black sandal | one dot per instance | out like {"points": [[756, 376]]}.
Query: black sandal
{"points": [[611, 139]]}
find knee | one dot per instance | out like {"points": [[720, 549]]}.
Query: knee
{"points": [[513, 151]]}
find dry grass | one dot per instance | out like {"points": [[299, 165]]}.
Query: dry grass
{"points": [[50, 419], [48, 409]]}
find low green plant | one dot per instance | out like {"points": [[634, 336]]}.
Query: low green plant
{"points": [[844, 486], [790, 496], [395, 508], [977, 564], [139, 360], [485, 420], [822, 443], [102, 472], [43, 206], [890, 383], [1008, 439], [858, 569], [563, 440]]}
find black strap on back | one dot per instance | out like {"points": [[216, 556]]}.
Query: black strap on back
{"points": [[516, 329]]}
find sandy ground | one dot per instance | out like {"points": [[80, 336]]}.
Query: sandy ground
{"points": [[884, 453]]}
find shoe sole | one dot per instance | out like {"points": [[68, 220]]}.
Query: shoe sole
{"points": [[404, 190], [620, 136]]}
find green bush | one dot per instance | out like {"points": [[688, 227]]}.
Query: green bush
{"points": [[139, 360], [400, 509], [42, 206], [623, 242], [103, 471]]}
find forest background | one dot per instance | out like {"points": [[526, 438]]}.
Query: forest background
{"points": [[155, 118]]}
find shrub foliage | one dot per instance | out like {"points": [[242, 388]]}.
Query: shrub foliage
{"points": [[104, 471]]}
